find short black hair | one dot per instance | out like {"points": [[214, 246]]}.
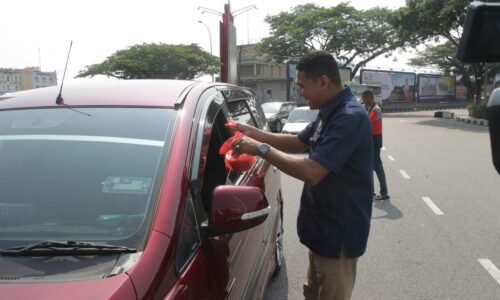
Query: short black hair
{"points": [[318, 63], [368, 93]]}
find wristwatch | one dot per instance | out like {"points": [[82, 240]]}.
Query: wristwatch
{"points": [[263, 149]]}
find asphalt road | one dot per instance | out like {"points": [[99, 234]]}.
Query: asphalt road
{"points": [[439, 235]]}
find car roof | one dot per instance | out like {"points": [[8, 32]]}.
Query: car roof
{"points": [[302, 108], [277, 102], [147, 92]]}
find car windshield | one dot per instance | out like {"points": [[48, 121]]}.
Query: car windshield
{"points": [[271, 107], [69, 176], [302, 116]]}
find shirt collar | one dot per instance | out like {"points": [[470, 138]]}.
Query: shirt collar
{"points": [[334, 102]]}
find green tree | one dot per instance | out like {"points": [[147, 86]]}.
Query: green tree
{"points": [[354, 37], [155, 61], [421, 21]]}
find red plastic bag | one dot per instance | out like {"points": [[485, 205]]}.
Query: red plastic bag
{"points": [[239, 163], [227, 144]]}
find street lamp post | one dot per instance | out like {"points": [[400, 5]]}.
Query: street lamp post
{"points": [[210, 36]]}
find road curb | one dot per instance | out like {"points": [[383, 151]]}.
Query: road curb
{"points": [[474, 121]]}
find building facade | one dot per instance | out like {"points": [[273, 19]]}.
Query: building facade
{"points": [[260, 73], [12, 80]]}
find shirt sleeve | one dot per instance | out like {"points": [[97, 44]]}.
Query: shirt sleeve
{"points": [[307, 133], [337, 143]]}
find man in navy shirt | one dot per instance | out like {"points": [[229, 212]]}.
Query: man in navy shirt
{"points": [[336, 202]]}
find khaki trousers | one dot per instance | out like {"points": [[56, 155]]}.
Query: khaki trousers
{"points": [[330, 278]]}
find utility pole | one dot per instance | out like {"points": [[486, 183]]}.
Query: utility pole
{"points": [[228, 55]]}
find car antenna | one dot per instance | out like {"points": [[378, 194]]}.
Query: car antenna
{"points": [[59, 99]]}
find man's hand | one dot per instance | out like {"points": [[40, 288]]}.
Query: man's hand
{"points": [[246, 145], [283, 142], [234, 126]]}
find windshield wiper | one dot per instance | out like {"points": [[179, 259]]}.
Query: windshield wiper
{"points": [[56, 248]]}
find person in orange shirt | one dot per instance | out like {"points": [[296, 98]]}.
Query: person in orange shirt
{"points": [[375, 114]]}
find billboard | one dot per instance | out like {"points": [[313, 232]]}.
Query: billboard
{"points": [[345, 74], [396, 87], [357, 90], [436, 88]]}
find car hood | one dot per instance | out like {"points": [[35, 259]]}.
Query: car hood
{"points": [[65, 277], [294, 127], [117, 287]]}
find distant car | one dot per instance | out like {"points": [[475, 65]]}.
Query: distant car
{"points": [[275, 112], [298, 119], [120, 193]]}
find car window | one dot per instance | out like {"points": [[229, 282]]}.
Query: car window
{"points": [[215, 172], [211, 170], [189, 239], [257, 112], [90, 177], [240, 112]]}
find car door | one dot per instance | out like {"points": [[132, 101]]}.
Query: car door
{"points": [[234, 262], [242, 106]]}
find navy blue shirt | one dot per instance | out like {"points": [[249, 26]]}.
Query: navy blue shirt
{"points": [[337, 210]]}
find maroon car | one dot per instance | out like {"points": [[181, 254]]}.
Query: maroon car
{"points": [[121, 193]]}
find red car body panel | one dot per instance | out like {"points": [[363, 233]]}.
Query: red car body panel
{"points": [[158, 93], [118, 287], [220, 268], [154, 274], [197, 283]]}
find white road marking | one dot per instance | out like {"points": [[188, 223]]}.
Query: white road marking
{"points": [[432, 205], [383, 148], [404, 174], [390, 158], [491, 268]]}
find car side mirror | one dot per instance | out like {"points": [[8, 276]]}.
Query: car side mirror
{"points": [[283, 121], [480, 43], [493, 114], [237, 208]]}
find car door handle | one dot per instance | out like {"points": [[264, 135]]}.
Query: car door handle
{"points": [[256, 214]]}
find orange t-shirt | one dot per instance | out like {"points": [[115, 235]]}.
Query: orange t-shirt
{"points": [[375, 114]]}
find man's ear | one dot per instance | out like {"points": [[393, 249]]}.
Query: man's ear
{"points": [[324, 80]]}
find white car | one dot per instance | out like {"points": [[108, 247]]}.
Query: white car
{"points": [[298, 119]]}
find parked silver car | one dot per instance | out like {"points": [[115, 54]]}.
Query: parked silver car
{"points": [[275, 112], [298, 119]]}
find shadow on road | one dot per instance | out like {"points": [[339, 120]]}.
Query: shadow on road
{"points": [[405, 116], [453, 124], [277, 287], [392, 212]]}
